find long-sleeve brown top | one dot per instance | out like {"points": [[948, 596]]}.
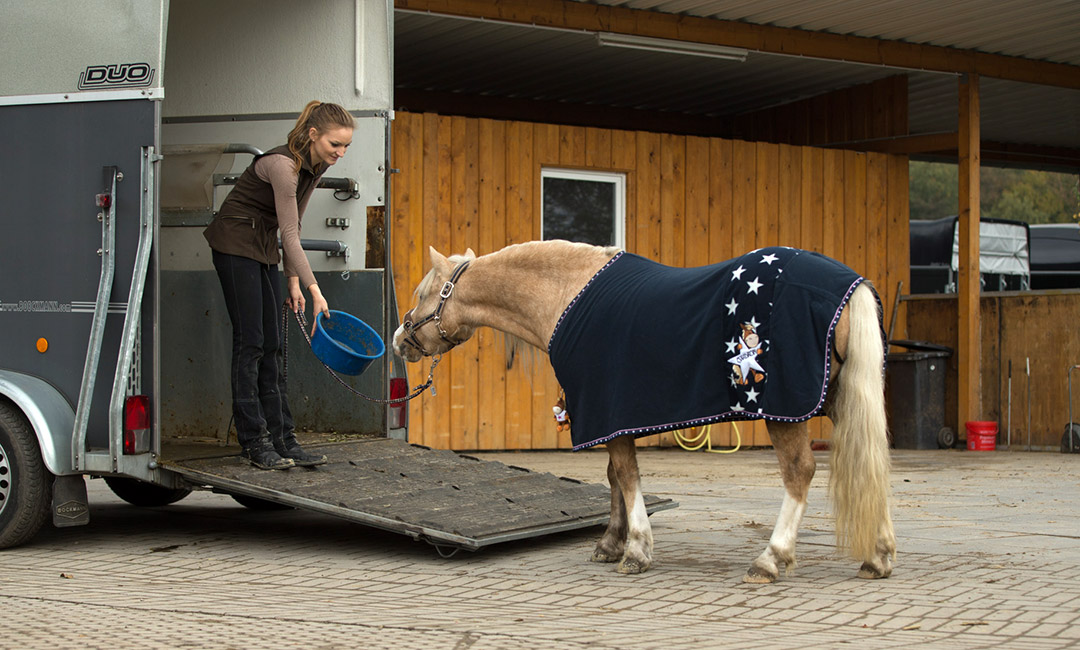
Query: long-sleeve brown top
{"points": [[279, 171]]}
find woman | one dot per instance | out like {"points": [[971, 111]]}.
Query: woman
{"points": [[269, 197]]}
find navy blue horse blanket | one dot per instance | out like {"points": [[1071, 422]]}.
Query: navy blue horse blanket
{"points": [[646, 348]]}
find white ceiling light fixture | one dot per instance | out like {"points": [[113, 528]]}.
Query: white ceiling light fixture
{"points": [[671, 46]]}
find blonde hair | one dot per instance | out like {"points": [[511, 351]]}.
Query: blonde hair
{"points": [[322, 117]]}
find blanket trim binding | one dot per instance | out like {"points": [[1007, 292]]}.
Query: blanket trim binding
{"points": [[579, 294]]}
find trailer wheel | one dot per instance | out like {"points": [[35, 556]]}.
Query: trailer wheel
{"points": [[25, 483], [256, 503], [143, 494]]}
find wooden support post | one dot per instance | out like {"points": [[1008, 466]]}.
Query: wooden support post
{"points": [[969, 339]]}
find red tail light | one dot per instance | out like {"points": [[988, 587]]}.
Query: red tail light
{"points": [[137, 424], [399, 413]]}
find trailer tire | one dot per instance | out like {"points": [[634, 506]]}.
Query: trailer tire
{"points": [[255, 503], [143, 494], [25, 483]]}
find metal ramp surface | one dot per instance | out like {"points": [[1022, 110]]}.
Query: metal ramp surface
{"points": [[441, 497]]}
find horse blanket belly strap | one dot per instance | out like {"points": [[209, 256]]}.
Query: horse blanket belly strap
{"points": [[646, 348]]}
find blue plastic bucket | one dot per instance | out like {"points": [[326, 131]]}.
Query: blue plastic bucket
{"points": [[345, 343]]}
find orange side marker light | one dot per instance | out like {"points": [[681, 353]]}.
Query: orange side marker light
{"points": [[42, 345]]}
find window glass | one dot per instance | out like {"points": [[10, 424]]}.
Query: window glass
{"points": [[583, 206]]}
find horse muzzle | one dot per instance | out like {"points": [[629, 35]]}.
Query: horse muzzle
{"points": [[404, 348]]}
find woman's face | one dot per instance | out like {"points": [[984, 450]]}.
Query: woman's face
{"points": [[327, 146]]}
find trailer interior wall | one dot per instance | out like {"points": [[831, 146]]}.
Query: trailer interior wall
{"points": [[240, 72], [254, 57]]}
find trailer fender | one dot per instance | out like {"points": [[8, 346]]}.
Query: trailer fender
{"points": [[49, 414]]}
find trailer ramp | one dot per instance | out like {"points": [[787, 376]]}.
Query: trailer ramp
{"points": [[443, 498]]}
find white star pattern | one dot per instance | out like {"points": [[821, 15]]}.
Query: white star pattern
{"points": [[752, 395], [731, 307], [754, 285], [769, 259], [732, 346], [737, 273], [753, 322], [738, 407]]}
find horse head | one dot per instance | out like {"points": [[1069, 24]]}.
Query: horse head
{"points": [[433, 325]]}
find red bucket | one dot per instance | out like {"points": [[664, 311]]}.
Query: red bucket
{"points": [[981, 436]]}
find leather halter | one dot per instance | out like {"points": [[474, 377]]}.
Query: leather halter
{"points": [[436, 316]]}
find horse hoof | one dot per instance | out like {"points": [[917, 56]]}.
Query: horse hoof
{"points": [[630, 567], [758, 576], [870, 572], [601, 556]]}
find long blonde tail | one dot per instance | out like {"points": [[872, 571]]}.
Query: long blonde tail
{"points": [[859, 476]]}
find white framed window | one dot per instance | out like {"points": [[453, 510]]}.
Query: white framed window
{"points": [[583, 206]]}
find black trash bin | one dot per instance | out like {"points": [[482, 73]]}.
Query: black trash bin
{"points": [[915, 393]]}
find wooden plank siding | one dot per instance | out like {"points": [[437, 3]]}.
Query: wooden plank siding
{"points": [[878, 109], [468, 182], [1016, 329]]}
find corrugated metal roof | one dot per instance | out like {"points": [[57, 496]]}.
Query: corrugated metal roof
{"points": [[1046, 30], [489, 58]]}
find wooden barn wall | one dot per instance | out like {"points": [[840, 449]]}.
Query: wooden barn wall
{"points": [[1036, 329], [878, 109], [467, 182]]}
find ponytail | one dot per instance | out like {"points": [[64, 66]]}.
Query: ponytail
{"points": [[322, 117]]}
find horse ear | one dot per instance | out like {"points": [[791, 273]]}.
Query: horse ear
{"points": [[439, 261], [470, 254]]}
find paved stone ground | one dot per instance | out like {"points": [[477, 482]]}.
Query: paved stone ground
{"points": [[988, 557]]}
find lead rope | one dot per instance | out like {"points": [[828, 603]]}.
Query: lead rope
{"points": [[704, 439], [302, 321]]}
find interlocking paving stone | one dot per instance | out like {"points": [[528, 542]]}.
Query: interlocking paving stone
{"points": [[987, 557]]}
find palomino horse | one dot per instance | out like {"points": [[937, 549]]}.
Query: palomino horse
{"points": [[540, 292]]}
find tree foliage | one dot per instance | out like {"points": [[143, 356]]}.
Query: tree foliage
{"points": [[1018, 194]]}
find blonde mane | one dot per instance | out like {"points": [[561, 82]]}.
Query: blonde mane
{"points": [[424, 287]]}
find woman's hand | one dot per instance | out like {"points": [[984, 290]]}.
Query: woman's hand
{"points": [[296, 297], [318, 305]]}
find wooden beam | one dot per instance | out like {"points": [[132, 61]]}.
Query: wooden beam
{"points": [[1058, 159], [969, 393], [904, 144], [529, 110], [944, 146], [582, 16]]}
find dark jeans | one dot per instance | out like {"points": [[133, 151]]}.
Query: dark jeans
{"points": [[254, 298]]}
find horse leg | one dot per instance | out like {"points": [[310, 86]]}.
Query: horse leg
{"points": [[637, 550], [611, 545], [792, 444]]}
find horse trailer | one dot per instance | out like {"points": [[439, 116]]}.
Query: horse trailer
{"points": [[124, 124]]}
